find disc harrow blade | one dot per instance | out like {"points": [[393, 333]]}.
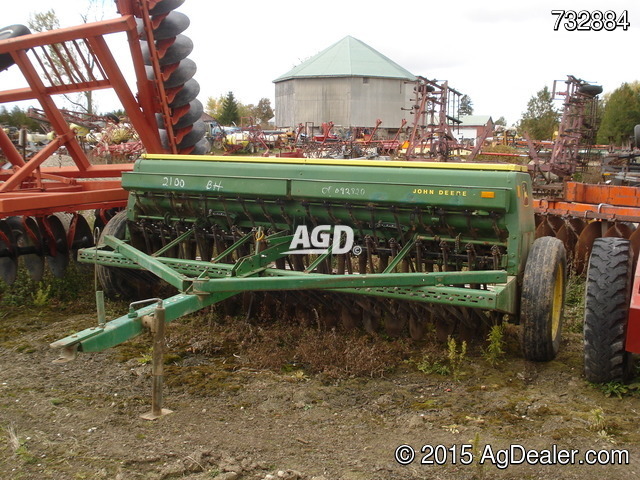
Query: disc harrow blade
{"points": [[29, 245], [583, 247], [8, 254], [55, 243], [618, 229]]}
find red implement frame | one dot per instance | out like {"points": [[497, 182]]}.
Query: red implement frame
{"points": [[632, 343], [28, 188], [601, 202]]}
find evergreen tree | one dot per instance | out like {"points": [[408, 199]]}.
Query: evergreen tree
{"points": [[541, 118], [229, 114], [17, 118], [621, 114]]}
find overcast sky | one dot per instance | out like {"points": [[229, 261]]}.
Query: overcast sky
{"points": [[498, 52]]}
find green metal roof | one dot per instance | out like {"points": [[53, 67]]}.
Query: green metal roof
{"points": [[474, 120], [348, 58]]}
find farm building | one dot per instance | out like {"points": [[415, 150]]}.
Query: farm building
{"points": [[472, 127], [349, 84]]}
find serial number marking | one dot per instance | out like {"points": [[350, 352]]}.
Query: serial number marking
{"points": [[351, 191], [595, 20], [440, 192], [176, 182]]}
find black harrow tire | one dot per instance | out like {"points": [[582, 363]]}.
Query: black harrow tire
{"points": [[124, 283], [184, 71], [12, 31], [607, 299], [188, 93], [542, 299], [165, 6], [179, 50], [591, 90]]}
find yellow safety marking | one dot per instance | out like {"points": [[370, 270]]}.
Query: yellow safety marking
{"points": [[352, 163], [487, 194]]}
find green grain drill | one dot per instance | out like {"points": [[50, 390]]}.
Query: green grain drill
{"points": [[373, 244]]}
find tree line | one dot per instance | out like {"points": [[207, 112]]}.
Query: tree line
{"points": [[617, 114], [227, 110], [16, 117]]}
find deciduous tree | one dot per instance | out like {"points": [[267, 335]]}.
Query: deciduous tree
{"points": [[466, 106], [621, 114], [541, 118], [44, 21], [214, 106]]}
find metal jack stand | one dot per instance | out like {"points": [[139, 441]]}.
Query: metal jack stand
{"points": [[157, 324]]}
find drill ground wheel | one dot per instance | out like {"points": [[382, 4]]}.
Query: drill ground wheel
{"points": [[542, 299], [607, 298], [123, 283]]}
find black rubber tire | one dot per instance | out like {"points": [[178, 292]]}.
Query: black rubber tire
{"points": [[178, 51], [203, 147], [194, 136], [173, 24], [188, 93], [542, 299], [185, 70], [165, 6], [192, 116], [607, 299], [12, 31], [591, 90], [124, 283]]}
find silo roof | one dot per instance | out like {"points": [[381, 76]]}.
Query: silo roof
{"points": [[348, 57]]}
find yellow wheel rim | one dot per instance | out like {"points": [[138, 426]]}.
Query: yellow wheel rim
{"points": [[556, 308]]}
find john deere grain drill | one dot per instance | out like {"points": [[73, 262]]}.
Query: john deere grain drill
{"points": [[369, 244]]}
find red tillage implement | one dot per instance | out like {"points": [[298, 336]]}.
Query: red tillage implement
{"points": [[40, 205]]}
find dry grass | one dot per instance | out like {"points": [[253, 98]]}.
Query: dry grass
{"points": [[285, 345], [14, 440], [333, 353]]}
